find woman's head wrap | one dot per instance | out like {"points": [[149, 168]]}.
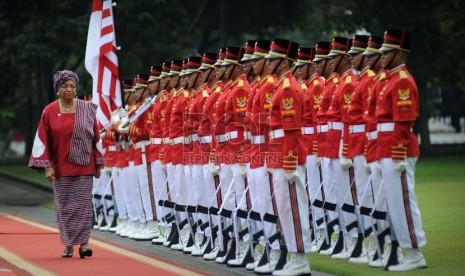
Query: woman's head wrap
{"points": [[62, 76]]}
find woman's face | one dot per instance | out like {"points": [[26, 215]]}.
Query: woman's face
{"points": [[67, 90]]}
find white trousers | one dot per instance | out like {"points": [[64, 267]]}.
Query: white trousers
{"points": [[135, 208], [265, 202], [379, 195], [239, 191], [362, 184], [159, 181], [292, 202], [198, 188], [402, 203], [119, 196], [330, 193], [142, 174], [210, 197], [314, 190]]}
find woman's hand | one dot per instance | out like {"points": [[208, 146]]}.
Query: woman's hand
{"points": [[50, 174]]}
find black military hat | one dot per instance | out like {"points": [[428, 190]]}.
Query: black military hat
{"points": [[249, 49], [374, 43], [166, 68], [221, 55], [322, 49], [304, 56], [340, 46], [176, 67], [395, 39], [141, 81], [208, 60], [261, 49], [127, 86], [283, 48], [233, 55], [359, 44], [193, 64], [155, 72]]}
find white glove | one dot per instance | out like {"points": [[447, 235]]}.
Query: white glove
{"points": [[163, 168], [374, 167], [214, 169], [122, 129], [114, 118], [318, 161], [292, 176], [345, 163], [107, 170], [400, 167], [243, 170]]}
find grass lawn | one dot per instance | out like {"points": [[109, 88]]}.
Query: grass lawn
{"points": [[440, 190]]}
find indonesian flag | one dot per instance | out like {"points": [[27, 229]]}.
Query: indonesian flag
{"points": [[102, 62]]}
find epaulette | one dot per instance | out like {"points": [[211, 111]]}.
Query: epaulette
{"points": [[185, 93], [303, 86], [370, 73], [335, 80], [349, 79], [286, 83], [316, 83], [162, 98], [218, 89], [270, 79], [204, 93], [382, 76], [240, 84], [403, 74]]}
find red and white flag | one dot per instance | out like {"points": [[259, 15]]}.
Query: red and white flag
{"points": [[101, 60]]}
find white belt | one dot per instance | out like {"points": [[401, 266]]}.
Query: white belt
{"points": [[248, 135], [227, 136], [141, 144], [156, 141], [258, 139], [372, 135], [231, 135], [322, 128], [308, 130], [177, 140], [194, 137], [187, 140], [384, 127], [166, 141], [205, 139], [277, 133], [335, 125], [112, 148], [356, 128]]}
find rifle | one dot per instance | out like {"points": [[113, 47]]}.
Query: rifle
{"points": [[148, 102]]}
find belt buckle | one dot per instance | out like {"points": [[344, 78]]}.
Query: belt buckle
{"points": [[351, 129]]}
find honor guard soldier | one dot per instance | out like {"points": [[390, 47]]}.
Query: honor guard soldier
{"points": [[158, 140], [373, 57], [312, 86], [356, 144], [139, 133], [397, 110], [173, 75], [340, 166], [324, 69], [287, 159]]}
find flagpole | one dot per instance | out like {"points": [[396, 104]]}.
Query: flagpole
{"points": [[118, 48]]}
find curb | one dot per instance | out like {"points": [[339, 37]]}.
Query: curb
{"points": [[29, 182]]}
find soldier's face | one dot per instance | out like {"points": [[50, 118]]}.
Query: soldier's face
{"points": [[333, 62], [248, 67], [220, 72], [258, 66], [387, 58], [153, 86], [355, 61]]}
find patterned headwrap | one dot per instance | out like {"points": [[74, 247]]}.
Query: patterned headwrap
{"points": [[62, 76]]}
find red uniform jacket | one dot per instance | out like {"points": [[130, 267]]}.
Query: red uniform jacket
{"points": [[177, 122], [315, 87], [322, 120], [398, 103], [287, 109], [358, 105], [156, 132]]}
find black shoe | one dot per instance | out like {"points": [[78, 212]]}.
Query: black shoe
{"points": [[68, 252], [85, 252]]}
